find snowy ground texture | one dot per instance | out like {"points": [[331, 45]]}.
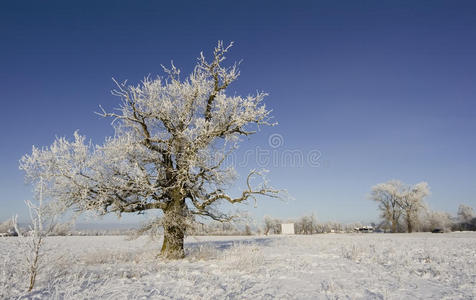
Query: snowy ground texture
{"points": [[326, 266]]}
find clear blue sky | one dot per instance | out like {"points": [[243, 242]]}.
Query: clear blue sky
{"points": [[383, 89]]}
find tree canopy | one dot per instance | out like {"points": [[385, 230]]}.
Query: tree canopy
{"points": [[172, 137]]}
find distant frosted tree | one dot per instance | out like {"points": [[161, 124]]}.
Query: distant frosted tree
{"points": [[8, 226], [172, 138], [410, 200], [306, 225], [397, 200], [466, 218], [465, 213], [388, 195], [248, 230], [272, 225], [268, 225], [438, 220]]}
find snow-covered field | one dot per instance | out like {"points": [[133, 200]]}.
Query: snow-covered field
{"points": [[326, 266]]}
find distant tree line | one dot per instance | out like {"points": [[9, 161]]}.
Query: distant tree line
{"points": [[219, 228], [403, 209], [306, 225]]}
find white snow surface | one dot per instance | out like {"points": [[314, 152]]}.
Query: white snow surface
{"points": [[325, 266]]}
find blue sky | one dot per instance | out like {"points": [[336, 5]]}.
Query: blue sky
{"points": [[382, 89]]}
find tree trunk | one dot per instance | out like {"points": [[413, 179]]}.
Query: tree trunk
{"points": [[174, 230], [409, 225], [394, 226]]}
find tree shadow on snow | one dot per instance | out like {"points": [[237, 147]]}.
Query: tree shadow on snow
{"points": [[223, 245]]}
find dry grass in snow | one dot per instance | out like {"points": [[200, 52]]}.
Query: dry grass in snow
{"points": [[332, 266]]}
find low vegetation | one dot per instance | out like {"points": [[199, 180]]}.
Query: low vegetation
{"points": [[377, 266]]}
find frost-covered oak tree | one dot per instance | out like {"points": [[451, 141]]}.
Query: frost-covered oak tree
{"points": [[172, 138]]}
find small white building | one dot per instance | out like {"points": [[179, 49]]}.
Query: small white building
{"points": [[287, 228]]}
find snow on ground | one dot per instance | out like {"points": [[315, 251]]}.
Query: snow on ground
{"points": [[325, 266]]}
